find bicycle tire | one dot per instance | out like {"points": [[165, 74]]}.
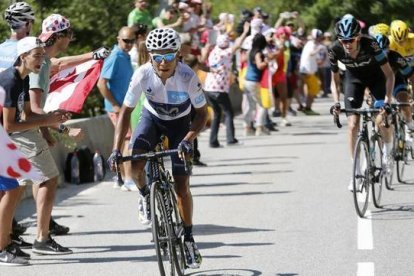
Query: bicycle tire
{"points": [[377, 173], [160, 232], [401, 154], [361, 176], [178, 230]]}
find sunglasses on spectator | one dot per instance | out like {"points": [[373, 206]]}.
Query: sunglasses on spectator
{"points": [[167, 57], [128, 41], [347, 41]]}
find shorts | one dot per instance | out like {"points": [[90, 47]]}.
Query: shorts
{"points": [[149, 130], [400, 85], [36, 150], [354, 89], [114, 119], [7, 184], [292, 84], [278, 77], [312, 83]]}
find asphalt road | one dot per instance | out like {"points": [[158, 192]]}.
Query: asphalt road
{"points": [[276, 205]]}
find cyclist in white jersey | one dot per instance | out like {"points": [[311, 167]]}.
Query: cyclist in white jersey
{"points": [[170, 88]]}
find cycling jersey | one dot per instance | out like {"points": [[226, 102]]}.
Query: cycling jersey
{"points": [[401, 70], [405, 48], [8, 54], [367, 62], [170, 101]]}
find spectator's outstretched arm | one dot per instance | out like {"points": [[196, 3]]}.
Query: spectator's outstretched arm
{"points": [[240, 39], [62, 63]]}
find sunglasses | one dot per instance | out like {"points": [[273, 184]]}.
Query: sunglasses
{"points": [[347, 41], [128, 41], [167, 57]]}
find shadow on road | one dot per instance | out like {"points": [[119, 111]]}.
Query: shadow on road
{"points": [[213, 229], [245, 172], [226, 272], [243, 194], [400, 211], [221, 184]]}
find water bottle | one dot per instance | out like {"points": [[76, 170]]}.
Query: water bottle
{"points": [[98, 167], [74, 169]]}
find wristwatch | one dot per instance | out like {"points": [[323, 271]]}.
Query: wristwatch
{"points": [[63, 129]]}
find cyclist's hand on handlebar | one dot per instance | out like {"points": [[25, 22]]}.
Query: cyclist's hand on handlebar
{"points": [[101, 53], [335, 109], [114, 159], [185, 148], [387, 108]]}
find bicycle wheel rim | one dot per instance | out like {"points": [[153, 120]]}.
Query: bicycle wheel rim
{"points": [[160, 232], [401, 165], [378, 175], [361, 177]]}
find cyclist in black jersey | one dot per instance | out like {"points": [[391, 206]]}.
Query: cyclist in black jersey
{"points": [[366, 67], [402, 71]]}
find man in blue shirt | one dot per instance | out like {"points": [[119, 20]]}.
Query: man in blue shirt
{"points": [[113, 85]]}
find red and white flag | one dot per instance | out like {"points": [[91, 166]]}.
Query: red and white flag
{"points": [[13, 163], [70, 87]]}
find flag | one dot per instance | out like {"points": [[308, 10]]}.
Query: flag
{"points": [[70, 87], [266, 88], [13, 163]]}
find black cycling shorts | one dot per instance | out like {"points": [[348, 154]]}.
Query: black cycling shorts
{"points": [[354, 89], [149, 130]]}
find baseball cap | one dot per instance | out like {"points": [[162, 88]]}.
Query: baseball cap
{"points": [[54, 23], [27, 44]]}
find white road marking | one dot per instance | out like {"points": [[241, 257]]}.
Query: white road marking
{"points": [[366, 269], [365, 238]]}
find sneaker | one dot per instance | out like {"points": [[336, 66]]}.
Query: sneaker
{"points": [[192, 255], [116, 184], [18, 228], [8, 258], [50, 247], [285, 123], [276, 113], [20, 242], [301, 108], [197, 162], [129, 185], [18, 252], [144, 211], [271, 127], [215, 145], [291, 111], [235, 142], [387, 163], [310, 112], [57, 229]]}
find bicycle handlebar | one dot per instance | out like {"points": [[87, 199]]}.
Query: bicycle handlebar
{"points": [[360, 111], [148, 156]]}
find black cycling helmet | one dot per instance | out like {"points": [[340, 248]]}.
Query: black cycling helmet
{"points": [[17, 14], [383, 41], [347, 27]]}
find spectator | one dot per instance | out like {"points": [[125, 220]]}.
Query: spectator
{"points": [[167, 18], [308, 69], [113, 85], [324, 66], [141, 33], [217, 85], [140, 15], [24, 131]]}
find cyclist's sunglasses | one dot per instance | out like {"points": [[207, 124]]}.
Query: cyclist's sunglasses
{"points": [[347, 41], [128, 41], [167, 57]]}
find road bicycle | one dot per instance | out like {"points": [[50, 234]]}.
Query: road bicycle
{"points": [[368, 170], [401, 150], [167, 225]]}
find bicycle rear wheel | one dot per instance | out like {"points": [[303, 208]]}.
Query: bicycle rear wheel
{"points": [[377, 172], [160, 231], [401, 157], [361, 177]]}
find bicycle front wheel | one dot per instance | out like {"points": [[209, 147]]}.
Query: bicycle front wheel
{"points": [[361, 177], [160, 231], [401, 153], [177, 244], [377, 173]]}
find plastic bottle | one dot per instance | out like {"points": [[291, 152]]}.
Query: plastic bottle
{"points": [[74, 169], [98, 167]]}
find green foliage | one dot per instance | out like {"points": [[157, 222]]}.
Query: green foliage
{"points": [[96, 22]]}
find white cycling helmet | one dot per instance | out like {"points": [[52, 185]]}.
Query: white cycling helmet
{"points": [[163, 39], [17, 14]]}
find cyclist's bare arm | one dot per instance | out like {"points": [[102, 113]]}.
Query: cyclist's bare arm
{"points": [[334, 86], [122, 126], [198, 123], [389, 84]]}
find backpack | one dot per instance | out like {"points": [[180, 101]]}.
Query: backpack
{"points": [[85, 157]]}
